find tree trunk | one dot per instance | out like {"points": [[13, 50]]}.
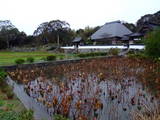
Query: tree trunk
{"points": [[7, 44], [7, 41], [58, 41]]}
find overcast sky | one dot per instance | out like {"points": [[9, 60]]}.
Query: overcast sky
{"points": [[26, 15]]}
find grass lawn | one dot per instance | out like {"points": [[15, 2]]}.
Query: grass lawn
{"points": [[8, 58], [13, 109], [10, 104]]}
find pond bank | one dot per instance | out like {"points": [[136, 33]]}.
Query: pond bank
{"points": [[52, 63]]}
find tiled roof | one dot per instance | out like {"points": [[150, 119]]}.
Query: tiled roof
{"points": [[110, 30]]}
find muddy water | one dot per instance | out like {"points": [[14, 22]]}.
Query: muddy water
{"points": [[91, 97]]}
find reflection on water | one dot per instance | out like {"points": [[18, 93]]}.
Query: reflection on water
{"points": [[91, 97]]}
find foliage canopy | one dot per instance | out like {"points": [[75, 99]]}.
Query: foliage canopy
{"points": [[152, 44]]}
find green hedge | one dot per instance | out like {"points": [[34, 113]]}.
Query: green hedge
{"points": [[19, 61], [113, 51], [30, 59], [138, 55], [92, 54], [51, 57]]}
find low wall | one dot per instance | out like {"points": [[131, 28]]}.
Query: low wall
{"points": [[45, 64], [85, 50]]}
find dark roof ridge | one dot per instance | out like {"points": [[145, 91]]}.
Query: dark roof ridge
{"points": [[117, 21]]}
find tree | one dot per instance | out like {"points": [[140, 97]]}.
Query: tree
{"points": [[6, 24], [130, 26], [3, 44], [152, 43], [20, 39], [30, 40], [8, 33], [8, 36], [86, 33], [53, 32], [149, 18]]}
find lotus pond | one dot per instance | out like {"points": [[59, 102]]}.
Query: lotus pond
{"points": [[113, 88]]}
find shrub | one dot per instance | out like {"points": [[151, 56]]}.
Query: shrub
{"points": [[92, 54], [8, 115], [61, 57], [3, 74], [131, 52], [2, 102], [19, 61], [113, 51], [152, 44], [12, 115], [43, 58], [10, 94], [8, 90], [3, 88], [30, 59], [60, 117], [26, 115], [82, 55], [138, 55], [51, 58], [51, 48]]}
